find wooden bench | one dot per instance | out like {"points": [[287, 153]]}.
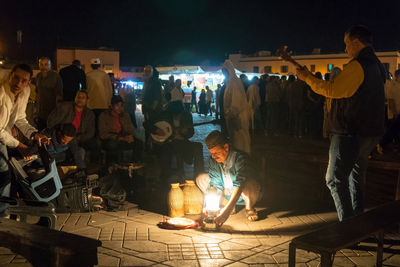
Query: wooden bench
{"points": [[329, 239], [46, 247], [22, 208]]}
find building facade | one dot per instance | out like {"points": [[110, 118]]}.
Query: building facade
{"points": [[109, 59], [266, 63]]}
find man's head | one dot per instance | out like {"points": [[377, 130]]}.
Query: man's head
{"points": [[171, 78], [76, 63], [65, 133], [20, 77], [356, 38], [318, 75], [95, 63], [117, 104], [148, 72], [244, 78], [178, 83], [218, 146], [397, 75], [81, 98], [44, 64]]}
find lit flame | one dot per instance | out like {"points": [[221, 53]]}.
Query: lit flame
{"points": [[212, 202]]}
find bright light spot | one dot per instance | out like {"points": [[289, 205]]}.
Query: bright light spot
{"points": [[212, 202]]}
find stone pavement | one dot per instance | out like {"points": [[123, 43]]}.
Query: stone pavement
{"points": [[131, 237]]}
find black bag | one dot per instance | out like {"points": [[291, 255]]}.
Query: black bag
{"points": [[78, 197], [112, 192]]}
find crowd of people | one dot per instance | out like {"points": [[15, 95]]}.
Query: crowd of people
{"points": [[80, 113]]}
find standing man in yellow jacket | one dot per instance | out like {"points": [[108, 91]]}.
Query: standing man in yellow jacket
{"points": [[356, 119]]}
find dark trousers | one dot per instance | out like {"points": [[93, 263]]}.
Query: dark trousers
{"points": [[184, 151], [91, 147], [345, 176], [392, 133], [114, 147], [209, 108]]}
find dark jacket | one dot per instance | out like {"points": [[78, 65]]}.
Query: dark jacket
{"points": [[107, 127], [73, 79], [65, 113], [49, 92], [363, 114]]}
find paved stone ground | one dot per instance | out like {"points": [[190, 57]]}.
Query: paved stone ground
{"points": [[131, 238]]}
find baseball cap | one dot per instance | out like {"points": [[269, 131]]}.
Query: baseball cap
{"points": [[95, 61]]}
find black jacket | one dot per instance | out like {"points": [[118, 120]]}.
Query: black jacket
{"points": [[73, 79], [363, 114]]}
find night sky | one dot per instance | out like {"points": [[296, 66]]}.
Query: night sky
{"points": [[200, 32]]}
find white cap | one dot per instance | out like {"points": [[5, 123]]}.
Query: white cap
{"points": [[95, 61]]}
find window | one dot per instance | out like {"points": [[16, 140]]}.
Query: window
{"points": [[108, 67], [387, 66], [312, 68], [267, 69], [329, 67], [255, 69], [284, 69]]}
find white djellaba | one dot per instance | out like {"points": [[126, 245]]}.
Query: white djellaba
{"points": [[236, 110]]}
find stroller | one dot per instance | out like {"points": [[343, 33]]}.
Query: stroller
{"points": [[37, 178]]}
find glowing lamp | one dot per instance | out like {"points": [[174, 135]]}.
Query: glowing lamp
{"points": [[211, 202], [211, 209]]}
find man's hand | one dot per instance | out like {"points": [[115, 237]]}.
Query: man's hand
{"points": [[41, 139], [302, 73], [222, 216], [24, 151], [129, 139]]}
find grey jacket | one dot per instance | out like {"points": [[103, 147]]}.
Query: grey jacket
{"points": [[65, 113]]}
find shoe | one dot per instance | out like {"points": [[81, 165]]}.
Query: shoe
{"points": [[252, 215]]}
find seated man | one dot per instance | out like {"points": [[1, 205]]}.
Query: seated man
{"points": [[81, 117], [62, 138], [179, 144], [117, 133], [231, 173]]}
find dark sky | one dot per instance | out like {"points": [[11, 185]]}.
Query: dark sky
{"points": [[191, 32]]}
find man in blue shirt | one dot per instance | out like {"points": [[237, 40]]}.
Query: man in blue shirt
{"points": [[232, 174]]}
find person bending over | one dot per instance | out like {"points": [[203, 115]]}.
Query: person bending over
{"points": [[232, 174]]}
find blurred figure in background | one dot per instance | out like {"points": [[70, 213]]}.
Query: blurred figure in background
{"points": [[253, 97], [49, 89]]}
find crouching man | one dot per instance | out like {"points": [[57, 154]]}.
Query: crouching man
{"points": [[231, 173], [62, 139]]}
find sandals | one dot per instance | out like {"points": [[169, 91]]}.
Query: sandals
{"points": [[252, 215]]}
